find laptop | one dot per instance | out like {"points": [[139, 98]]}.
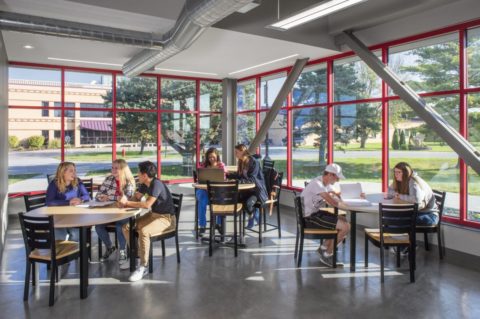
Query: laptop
{"points": [[210, 174]]}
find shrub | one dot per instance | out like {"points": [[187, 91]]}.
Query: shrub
{"points": [[395, 142], [55, 143], [402, 142], [36, 141], [13, 141]]}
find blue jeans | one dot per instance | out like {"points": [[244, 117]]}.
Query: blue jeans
{"points": [[202, 200], [61, 234], [427, 219], [103, 234]]}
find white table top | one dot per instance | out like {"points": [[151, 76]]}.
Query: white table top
{"points": [[374, 199]]}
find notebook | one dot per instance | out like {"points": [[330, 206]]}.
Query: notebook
{"points": [[95, 204], [210, 174], [351, 195]]}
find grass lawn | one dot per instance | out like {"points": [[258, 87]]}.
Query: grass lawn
{"points": [[12, 179]]}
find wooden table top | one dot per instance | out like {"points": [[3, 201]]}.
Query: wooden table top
{"points": [[231, 168], [71, 216], [241, 187], [374, 199]]}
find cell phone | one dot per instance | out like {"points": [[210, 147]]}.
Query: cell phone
{"points": [[131, 209]]}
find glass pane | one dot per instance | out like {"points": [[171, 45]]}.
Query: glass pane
{"points": [[210, 96], [33, 87], [473, 213], [33, 150], [275, 143], [309, 152], [137, 137], [246, 128], [246, 96], [135, 93], [414, 142], [354, 80], [358, 143], [92, 90], [428, 66], [178, 145], [473, 57], [178, 95], [269, 88], [68, 112], [210, 131], [311, 86]]}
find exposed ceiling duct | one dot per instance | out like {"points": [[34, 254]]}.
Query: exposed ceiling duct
{"points": [[60, 28], [194, 18]]}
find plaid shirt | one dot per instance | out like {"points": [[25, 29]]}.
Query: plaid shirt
{"points": [[109, 188]]}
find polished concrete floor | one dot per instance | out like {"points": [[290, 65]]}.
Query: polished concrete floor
{"points": [[262, 282]]}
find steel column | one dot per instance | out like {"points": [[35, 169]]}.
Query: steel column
{"points": [[229, 118]]}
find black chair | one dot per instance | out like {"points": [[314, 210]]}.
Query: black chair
{"points": [[50, 178], [397, 229], [440, 200], [177, 202], [223, 198], [88, 183], [33, 201], [195, 180], [310, 233], [268, 163], [41, 247]]}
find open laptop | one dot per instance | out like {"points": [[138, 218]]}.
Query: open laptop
{"points": [[210, 174]]}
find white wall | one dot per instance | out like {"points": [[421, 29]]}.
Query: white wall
{"points": [[3, 142]]}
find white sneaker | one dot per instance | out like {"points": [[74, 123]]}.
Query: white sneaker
{"points": [[138, 274], [326, 259], [122, 257], [125, 265]]}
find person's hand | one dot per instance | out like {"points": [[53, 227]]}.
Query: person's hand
{"points": [[123, 200], [138, 196], [362, 195], [397, 196], [75, 201], [103, 198]]}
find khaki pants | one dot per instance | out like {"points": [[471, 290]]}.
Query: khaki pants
{"points": [[150, 224]]}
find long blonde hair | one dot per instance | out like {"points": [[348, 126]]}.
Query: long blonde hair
{"points": [[60, 180], [125, 177], [242, 163], [407, 172]]}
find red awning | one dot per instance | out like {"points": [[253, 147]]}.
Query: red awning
{"points": [[104, 126]]}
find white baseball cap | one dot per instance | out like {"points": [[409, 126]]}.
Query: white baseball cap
{"points": [[335, 169]]}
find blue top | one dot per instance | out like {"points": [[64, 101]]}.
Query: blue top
{"points": [[56, 198]]}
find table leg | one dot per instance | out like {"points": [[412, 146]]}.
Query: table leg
{"points": [[132, 245], [353, 239], [83, 263]]}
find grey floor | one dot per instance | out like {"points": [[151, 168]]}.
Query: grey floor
{"points": [[262, 282]]}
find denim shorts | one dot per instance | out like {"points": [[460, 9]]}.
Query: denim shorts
{"points": [[427, 219]]}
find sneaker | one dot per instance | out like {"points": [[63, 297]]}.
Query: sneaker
{"points": [[138, 274], [219, 229], [107, 253], [125, 265], [201, 230], [122, 258], [322, 249], [326, 259]]}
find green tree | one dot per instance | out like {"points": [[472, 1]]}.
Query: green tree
{"points": [[402, 140], [395, 140]]}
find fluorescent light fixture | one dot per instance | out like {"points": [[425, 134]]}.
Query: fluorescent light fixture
{"points": [[312, 13], [185, 71], [266, 63], [250, 6], [28, 46], [82, 61]]}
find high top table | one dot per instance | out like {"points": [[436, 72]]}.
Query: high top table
{"points": [[374, 199], [83, 218]]}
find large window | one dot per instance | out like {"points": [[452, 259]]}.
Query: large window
{"points": [[135, 93], [473, 57], [269, 88], [246, 93], [311, 86], [178, 95]]}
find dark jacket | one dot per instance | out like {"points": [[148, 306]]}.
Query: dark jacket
{"points": [[253, 174]]}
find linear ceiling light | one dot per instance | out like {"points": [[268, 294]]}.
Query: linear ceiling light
{"points": [[184, 71], [312, 13], [266, 63], [82, 61]]}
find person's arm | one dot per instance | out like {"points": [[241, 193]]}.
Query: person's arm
{"points": [[329, 199], [51, 199], [83, 194], [416, 195], [102, 193], [134, 204]]}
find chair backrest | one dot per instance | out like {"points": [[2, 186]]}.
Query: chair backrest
{"points": [[440, 200], [268, 163], [50, 178], [38, 233], [88, 183], [397, 219], [223, 193], [299, 212], [34, 201], [177, 203], [278, 186]]}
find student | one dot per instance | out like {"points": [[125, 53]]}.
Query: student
{"points": [[212, 160], [160, 218], [119, 183], [249, 171], [409, 187], [66, 189], [316, 195]]}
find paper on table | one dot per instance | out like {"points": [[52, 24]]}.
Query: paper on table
{"points": [[94, 203], [350, 191], [357, 202]]}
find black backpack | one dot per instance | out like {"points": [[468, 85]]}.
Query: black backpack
{"points": [[271, 180]]}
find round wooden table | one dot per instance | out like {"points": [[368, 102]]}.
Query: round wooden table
{"points": [[83, 218]]}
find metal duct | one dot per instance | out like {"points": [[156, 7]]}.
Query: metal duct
{"points": [[60, 28], [195, 17]]}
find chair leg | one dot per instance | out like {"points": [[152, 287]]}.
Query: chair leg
{"points": [[300, 251], [260, 225], [34, 275], [296, 245], [366, 251], [99, 249], [89, 242], [382, 263], [178, 248], [334, 262], [163, 248], [212, 229], [264, 220], [278, 221], [27, 280], [196, 216], [411, 257], [235, 234], [53, 273], [56, 273], [398, 256], [440, 244], [150, 258], [425, 238]]}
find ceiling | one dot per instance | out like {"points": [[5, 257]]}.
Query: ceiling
{"points": [[239, 41]]}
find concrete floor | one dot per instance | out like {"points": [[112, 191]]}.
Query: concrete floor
{"points": [[262, 282]]}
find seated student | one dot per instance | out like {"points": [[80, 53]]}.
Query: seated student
{"points": [[316, 195], [212, 160], [249, 171], [160, 218], [66, 189], [409, 187], [119, 183]]}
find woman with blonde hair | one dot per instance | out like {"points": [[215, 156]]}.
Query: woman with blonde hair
{"points": [[120, 182], [66, 189]]}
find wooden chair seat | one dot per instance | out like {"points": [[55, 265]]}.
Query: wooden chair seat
{"points": [[63, 248], [226, 209], [389, 239], [171, 230], [319, 231]]}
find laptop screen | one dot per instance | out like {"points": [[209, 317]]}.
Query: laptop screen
{"points": [[210, 174]]}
